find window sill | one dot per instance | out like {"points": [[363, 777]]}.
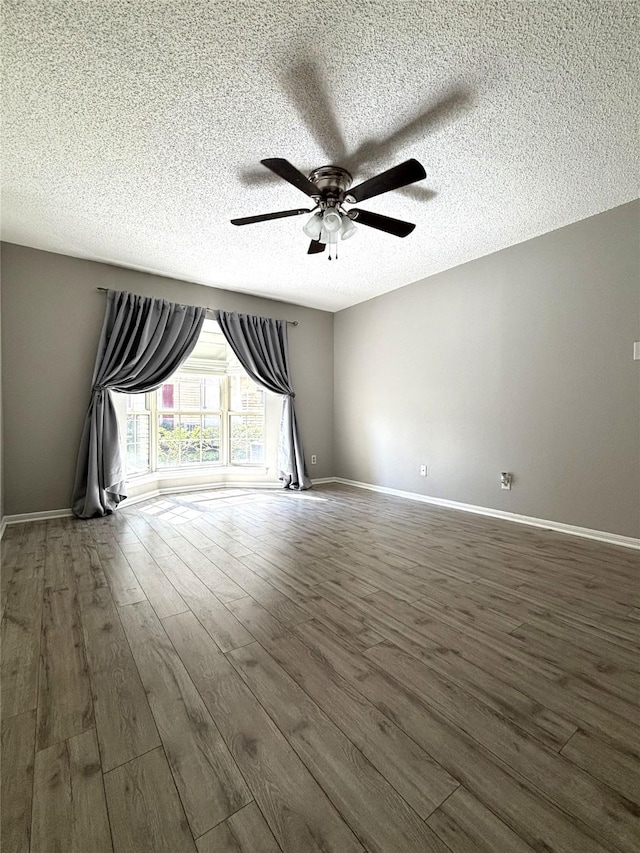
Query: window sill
{"points": [[185, 478], [200, 471]]}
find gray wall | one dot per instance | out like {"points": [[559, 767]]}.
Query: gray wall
{"points": [[51, 320], [520, 361]]}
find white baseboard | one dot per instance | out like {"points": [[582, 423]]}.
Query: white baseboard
{"points": [[559, 527], [24, 517]]}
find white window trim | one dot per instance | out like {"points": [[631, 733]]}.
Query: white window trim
{"points": [[223, 472], [144, 484], [255, 474]]}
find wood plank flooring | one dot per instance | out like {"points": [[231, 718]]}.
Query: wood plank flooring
{"points": [[335, 671]]}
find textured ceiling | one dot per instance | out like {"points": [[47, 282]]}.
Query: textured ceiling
{"points": [[133, 131]]}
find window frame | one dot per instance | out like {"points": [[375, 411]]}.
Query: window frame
{"points": [[145, 412], [152, 411], [157, 411]]}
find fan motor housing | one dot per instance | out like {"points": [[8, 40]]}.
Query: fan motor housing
{"points": [[332, 181]]}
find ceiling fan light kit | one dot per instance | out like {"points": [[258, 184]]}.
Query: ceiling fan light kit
{"points": [[313, 228], [348, 228], [330, 188], [331, 220]]}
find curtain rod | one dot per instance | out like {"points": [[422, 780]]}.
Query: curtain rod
{"points": [[211, 310]]}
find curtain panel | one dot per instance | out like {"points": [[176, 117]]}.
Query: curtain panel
{"points": [[143, 342], [261, 345]]}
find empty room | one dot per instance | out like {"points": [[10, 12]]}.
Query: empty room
{"points": [[320, 426]]}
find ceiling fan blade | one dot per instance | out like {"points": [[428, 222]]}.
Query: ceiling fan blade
{"points": [[285, 170], [315, 247], [397, 227], [399, 176], [263, 217]]}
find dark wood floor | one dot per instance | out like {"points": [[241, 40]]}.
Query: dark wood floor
{"points": [[332, 671]]}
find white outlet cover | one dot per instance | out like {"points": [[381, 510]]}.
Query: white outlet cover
{"points": [[636, 350]]}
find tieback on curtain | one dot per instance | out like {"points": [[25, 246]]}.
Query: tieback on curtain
{"points": [[143, 342]]}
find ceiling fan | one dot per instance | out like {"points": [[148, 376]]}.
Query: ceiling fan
{"points": [[330, 188]]}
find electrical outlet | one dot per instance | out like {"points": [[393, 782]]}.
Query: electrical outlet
{"points": [[505, 480], [423, 470], [314, 459]]}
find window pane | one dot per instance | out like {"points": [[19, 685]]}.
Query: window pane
{"points": [[211, 393], [138, 443], [188, 439], [136, 402], [168, 453], [211, 438], [247, 438], [168, 396], [169, 423], [189, 393], [190, 433], [168, 440], [190, 427], [245, 394]]}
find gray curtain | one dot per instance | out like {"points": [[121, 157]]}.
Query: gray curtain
{"points": [[261, 346], [143, 342]]}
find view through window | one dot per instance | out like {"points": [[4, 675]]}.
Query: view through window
{"points": [[208, 413]]}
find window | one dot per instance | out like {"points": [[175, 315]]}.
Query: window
{"points": [[189, 414], [246, 421], [208, 413], [138, 434]]}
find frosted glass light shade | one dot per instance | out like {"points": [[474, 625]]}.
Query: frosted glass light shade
{"points": [[313, 227], [328, 237], [332, 221], [348, 228]]}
